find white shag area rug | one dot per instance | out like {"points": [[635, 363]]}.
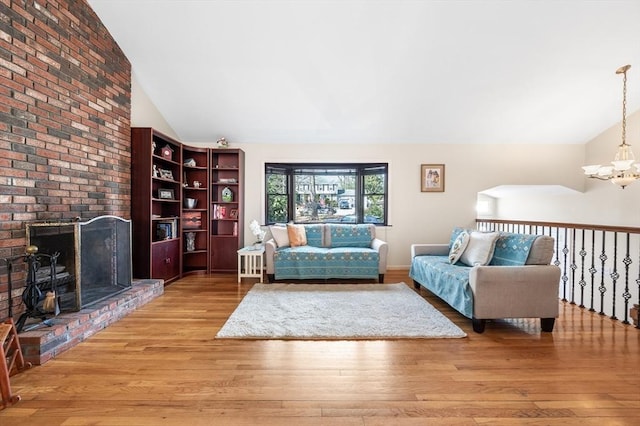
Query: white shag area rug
{"points": [[336, 311]]}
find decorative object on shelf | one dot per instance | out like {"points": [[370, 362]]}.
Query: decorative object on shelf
{"points": [[257, 231], [227, 180], [167, 152], [191, 241], [192, 220], [233, 214], [190, 162], [432, 178], [165, 194], [621, 173], [190, 203], [156, 173], [196, 184], [166, 174], [227, 195], [222, 143]]}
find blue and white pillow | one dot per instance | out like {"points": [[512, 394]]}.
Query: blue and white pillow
{"points": [[458, 246]]}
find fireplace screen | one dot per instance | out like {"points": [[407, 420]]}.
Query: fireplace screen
{"points": [[94, 259]]}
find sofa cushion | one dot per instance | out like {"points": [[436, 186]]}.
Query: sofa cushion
{"points": [[314, 234], [458, 247], [300, 262], [297, 235], [480, 249], [308, 262], [512, 249], [541, 251], [360, 235], [352, 262], [280, 235]]}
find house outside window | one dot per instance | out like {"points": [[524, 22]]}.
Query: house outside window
{"points": [[325, 193]]}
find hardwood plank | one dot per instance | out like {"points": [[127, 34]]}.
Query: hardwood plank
{"points": [[163, 365]]}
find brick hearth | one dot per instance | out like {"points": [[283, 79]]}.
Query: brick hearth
{"points": [[69, 329]]}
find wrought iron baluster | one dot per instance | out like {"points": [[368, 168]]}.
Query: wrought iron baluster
{"points": [[638, 283], [614, 275], [582, 283], [602, 289], [592, 269], [626, 295], [573, 266], [565, 278]]}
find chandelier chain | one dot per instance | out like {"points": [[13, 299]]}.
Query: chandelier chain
{"points": [[624, 108]]}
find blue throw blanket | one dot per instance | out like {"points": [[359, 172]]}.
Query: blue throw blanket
{"points": [[447, 281]]}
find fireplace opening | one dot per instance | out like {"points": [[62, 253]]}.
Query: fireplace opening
{"points": [[93, 262]]}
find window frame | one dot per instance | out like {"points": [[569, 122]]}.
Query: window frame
{"points": [[358, 170]]}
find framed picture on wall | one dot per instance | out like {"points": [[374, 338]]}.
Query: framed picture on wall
{"points": [[432, 178]]}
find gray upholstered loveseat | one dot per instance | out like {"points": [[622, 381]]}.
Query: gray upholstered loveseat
{"points": [[513, 280], [330, 250]]}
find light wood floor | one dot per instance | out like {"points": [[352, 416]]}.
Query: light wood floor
{"points": [[162, 366]]}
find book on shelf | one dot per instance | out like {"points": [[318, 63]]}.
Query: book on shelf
{"points": [[219, 212], [167, 229]]}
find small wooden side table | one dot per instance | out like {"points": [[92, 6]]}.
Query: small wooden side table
{"points": [[250, 262]]}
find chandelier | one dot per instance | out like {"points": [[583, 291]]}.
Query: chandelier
{"points": [[621, 172]]}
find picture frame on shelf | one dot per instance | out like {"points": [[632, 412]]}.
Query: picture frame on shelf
{"points": [[432, 178], [233, 214], [166, 194], [166, 174]]}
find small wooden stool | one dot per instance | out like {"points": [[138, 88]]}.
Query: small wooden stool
{"points": [[11, 361]]}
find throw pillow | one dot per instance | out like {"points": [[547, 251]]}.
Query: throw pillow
{"points": [[280, 235], [297, 235], [480, 249], [458, 247]]}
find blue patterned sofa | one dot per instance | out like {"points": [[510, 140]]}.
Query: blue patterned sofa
{"points": [[349, 251], [515, 280]]}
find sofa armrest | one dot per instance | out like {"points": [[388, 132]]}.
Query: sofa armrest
{"points": [[429, 249], [383, 249], [515, 291], [270, 248]]}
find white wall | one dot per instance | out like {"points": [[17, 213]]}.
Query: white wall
{"points": [[601, 203], [144, 113]]}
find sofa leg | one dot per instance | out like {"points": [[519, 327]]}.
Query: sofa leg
{"points": [[380, 278], [547, 324], [270, 278], [478, 325], [416, 285]]}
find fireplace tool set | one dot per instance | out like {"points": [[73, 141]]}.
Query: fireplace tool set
{"points": [[40, 294]]}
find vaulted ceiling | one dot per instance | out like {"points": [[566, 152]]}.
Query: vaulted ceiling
{"points": [[381, 71]]}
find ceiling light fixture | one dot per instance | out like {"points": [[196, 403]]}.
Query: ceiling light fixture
{"points": [[621, 173]]}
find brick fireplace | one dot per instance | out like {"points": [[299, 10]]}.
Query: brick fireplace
{"points": [[68, 329], [65, 124]]}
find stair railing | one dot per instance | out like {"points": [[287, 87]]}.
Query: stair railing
{"points": [[600, 264]]}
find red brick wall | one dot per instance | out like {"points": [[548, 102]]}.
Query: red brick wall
{"points": [[65, 109]]}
